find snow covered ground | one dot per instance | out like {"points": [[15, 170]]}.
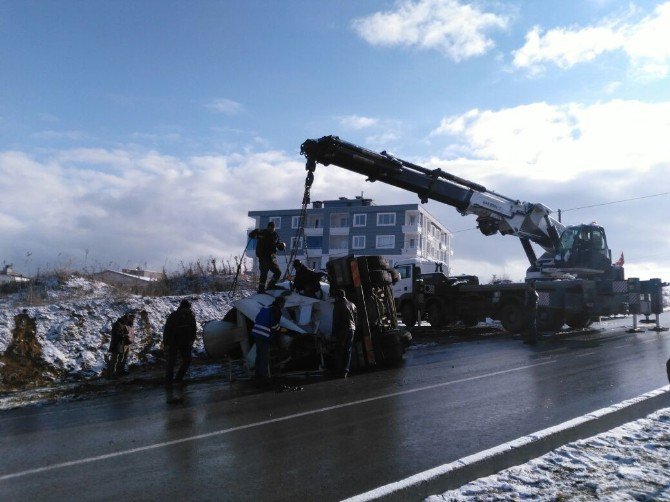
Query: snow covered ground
{"points": [[631, 462], [73, 329]]}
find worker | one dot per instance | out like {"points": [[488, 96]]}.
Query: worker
{"points": [[530, 303], [307, 281], [123, 336], [344, 329], [178, 337], [267, 244], [266, 327]]}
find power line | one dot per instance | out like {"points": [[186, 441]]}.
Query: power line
{"points": [[615, 202]]}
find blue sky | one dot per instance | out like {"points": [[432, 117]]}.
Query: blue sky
{"points": [[144, 131]]}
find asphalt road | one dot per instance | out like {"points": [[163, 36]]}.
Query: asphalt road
{"points": [[334, 439]]}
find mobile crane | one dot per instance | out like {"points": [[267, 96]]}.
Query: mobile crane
{"points": [[574, 276]]}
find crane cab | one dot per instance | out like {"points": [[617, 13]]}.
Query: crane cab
{"points": [[584, 247]]}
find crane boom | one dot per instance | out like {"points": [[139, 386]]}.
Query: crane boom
{"points": [[530, 222]]}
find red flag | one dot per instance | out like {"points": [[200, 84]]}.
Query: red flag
{"points": [[619, 262]]}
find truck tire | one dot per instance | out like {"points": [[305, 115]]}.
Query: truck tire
{"points": [[549, 320], [408, 314], [578, 321], [434, 315], [380, 278], [376, 262], [512, 317], [363, 270]]}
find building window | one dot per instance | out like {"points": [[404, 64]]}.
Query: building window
{"points": [[385, 241], [360, 220], [296, 243], [412, 243], [412, 220], [339, 220], [385, 219], [338, 242], [276, 220], [295, 221], [314, 242], [358, 242]]}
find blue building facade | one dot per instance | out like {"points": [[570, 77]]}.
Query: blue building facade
{"points": [[357, 226]]}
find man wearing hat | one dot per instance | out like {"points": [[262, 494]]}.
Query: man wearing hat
{"points": [[266, 252], [178, 337]]}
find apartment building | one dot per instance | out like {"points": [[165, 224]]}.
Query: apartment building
{"points": [[357, 226]]}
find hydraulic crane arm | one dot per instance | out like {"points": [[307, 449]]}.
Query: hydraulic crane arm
{"points": [[495, 213]]}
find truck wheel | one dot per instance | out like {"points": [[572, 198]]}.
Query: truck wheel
{"points": [[434, 315], [408, 314], [549, 320], [380, 278], [377, 262], [512, 318], [363, 270], [578, 321]]}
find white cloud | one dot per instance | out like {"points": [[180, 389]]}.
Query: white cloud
{"points": [[456, 29], [646, 43], [134, 206], [226, 106], [356, 122], [561, 142]]}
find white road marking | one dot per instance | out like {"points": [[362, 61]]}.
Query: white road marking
{"points": [[221, 432], [441, 470], [585, 354], [622, 346]]}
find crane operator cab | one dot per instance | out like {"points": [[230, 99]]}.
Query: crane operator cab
{"points": [[584, 247]]}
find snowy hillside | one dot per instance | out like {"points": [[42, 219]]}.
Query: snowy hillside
{"points": [[72, 332]]}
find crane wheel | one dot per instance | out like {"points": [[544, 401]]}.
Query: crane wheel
{"points": [[408, 314], [512, 317]]}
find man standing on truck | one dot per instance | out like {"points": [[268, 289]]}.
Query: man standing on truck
{"points": [[266, 326], [267, 244], [344, 328], [531, 310]]}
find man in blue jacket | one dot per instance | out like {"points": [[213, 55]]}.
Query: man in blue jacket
{"points": [[266, 326]]}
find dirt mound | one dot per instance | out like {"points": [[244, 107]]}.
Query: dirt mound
{"points": [[22, 362]]}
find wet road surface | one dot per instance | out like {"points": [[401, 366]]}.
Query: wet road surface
{"points": [[336, 438]]}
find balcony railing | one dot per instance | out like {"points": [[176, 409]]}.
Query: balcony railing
{"points": [[339, 230]]}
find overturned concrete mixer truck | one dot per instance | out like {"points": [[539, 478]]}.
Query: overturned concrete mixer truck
{"points": [[306, 341]]}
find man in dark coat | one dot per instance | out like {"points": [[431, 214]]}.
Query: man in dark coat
{"points": [[307, 281], [178, 337], [530, 303], [344, 328], [267, 244], [123, 336]]}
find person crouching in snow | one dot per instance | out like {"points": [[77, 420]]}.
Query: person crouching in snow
{"points": [[123, 336]]}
